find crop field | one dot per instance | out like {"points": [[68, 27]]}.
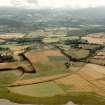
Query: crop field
{"points": [[42, 54], [77, 53], [43, 59], [11, 36], [99, 58], [97, 38], [61, 70], [13, 65], [89, 76], [56, 76], [51, 40], [8, 77], [88, 46], [38, 90], [52, 52], [58, 38]]}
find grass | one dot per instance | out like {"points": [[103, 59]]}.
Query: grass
{"points": [[44, 73], [82, 98], [50, 40], [8, 77], [78, 53], [46, 89], [57, 58], [52, 65], [53, 71], [87, 98], [49, 93]]}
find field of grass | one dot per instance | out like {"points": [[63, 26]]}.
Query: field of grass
{"points": [[50, 93], [80, 87], [62, 70], [79, 98], [51, 40], [8, 77], [57, 58], [48, 60], [46, 89], [78, 53], [44, 73], [46, 66], [57, 38]]}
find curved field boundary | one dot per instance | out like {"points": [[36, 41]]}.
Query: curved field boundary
{"points": [[43, 79], [39, 80], [25, 58]]}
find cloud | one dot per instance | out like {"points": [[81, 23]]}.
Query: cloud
{"points": [[52, 3], [17, 3], [24, 3], [32, 1]]}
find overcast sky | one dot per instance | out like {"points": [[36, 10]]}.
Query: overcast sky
{"points": [[53, 3]]}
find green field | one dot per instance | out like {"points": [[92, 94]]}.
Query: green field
{"points": [[82, 98], [78, 53], [46, 89], [8, 77], [45, 73]]}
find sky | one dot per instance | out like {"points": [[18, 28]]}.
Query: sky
{"points": [[52, 3]]}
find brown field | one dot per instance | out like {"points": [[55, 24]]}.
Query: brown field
{"points": [[47, 59], [87, 79], [12, 65], [99, 58], [38, 56], [97, 38], [11, 36], [88, 46]]}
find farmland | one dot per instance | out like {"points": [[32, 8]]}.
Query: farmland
{"points": [[36, 69]]}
